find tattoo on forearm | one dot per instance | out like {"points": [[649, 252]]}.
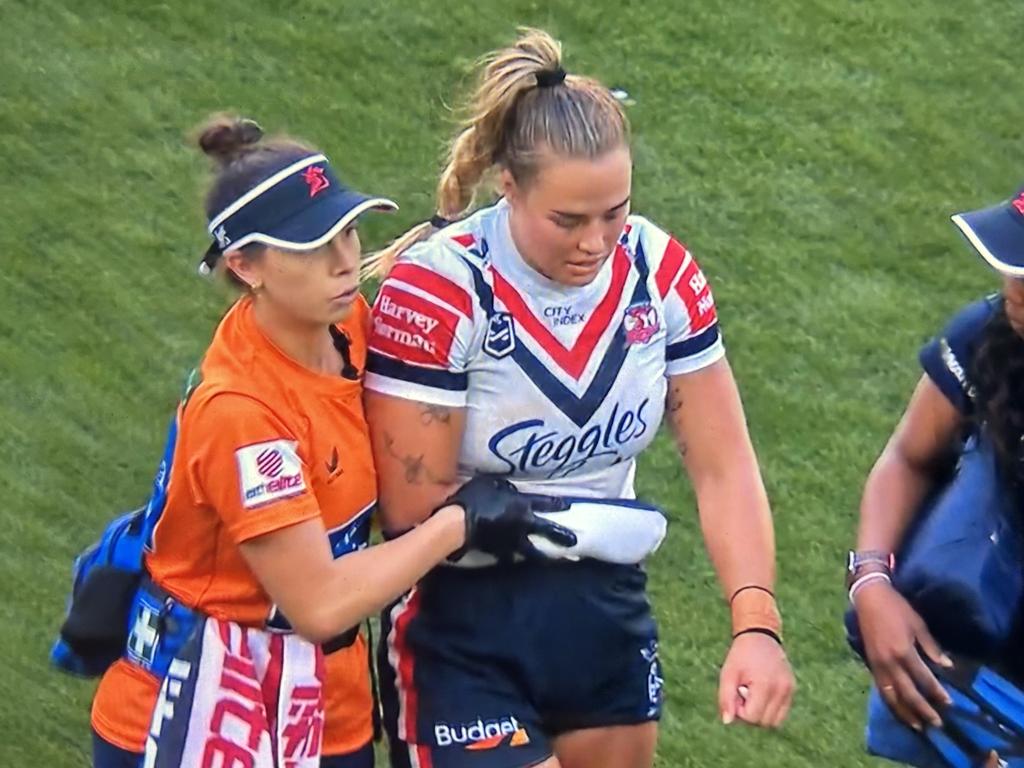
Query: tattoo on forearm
{"points": [[416, 470], [675, 400], [674, 403], [435, 414]]}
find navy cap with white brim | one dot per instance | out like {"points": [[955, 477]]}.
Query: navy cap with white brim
{"points": [[300, 208], [997, 233]]}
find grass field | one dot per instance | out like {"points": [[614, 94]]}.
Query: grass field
{"points": [[809, 151]]}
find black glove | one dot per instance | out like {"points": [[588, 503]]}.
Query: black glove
{"points": [[499, 519]]}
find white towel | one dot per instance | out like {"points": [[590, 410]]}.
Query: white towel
{"points": [[613, 530], [240, 696]]}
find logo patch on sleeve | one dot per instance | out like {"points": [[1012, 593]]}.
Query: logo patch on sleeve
{"points": [[268, 472], [412, 329], [696, 294]]}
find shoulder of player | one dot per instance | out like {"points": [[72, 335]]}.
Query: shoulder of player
{"points": [[969, 322], [948, 356], [440, 271], [977, 314], [214, 406], [667, 259]]}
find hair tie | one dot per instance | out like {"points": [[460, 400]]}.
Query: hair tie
{"points": [[437, 221], [549, 78], [249, 130]]}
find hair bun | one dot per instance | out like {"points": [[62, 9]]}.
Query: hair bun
{"points": [[223, 137]]}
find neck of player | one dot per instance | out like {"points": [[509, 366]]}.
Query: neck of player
{"points": [[308, 344]]}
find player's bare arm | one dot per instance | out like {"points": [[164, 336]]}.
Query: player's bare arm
{"points": [[416, 449], [704, 412]]}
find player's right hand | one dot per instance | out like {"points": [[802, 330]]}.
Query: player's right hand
{"points": [[500, 519], [893, 634]]}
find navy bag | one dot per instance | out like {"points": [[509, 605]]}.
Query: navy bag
{"points": [[962, 567]]}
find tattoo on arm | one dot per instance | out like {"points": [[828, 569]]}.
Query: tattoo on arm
{"points": [[416, 470], [675, 400], [435, 414], [674, 403]]}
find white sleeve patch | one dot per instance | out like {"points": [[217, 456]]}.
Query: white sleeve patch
{"points": [[269, 471]]}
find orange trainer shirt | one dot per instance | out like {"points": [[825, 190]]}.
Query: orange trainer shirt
{"points": [[263, 443]]}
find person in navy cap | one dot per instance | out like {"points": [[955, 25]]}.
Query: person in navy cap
{"points": [[971, 385]]}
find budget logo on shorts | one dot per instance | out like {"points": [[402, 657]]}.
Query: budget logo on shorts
{"points": [[640, 323], [501, 335], [268, 472], [482, 734]]}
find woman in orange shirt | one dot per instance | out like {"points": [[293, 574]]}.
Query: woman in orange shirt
{"points": [[263, 502]]}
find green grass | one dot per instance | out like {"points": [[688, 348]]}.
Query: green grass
{"points": [[809, 151]]}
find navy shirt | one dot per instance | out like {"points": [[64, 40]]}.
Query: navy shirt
{"points": [[948, 359]]}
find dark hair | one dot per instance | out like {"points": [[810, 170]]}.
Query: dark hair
{"points": [[998, 376], [243, 158]]}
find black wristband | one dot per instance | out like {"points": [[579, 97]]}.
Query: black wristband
{"points": [[760, 631], [750, 586]]}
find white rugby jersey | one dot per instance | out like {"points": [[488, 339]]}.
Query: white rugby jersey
{"points": [[562, 386]]}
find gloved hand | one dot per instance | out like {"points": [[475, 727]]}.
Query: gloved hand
{"points": [[500, 519]]}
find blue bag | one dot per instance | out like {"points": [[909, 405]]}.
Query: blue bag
{"points": [[106, 578], [962, 566], [986, 715], [962, 569]]}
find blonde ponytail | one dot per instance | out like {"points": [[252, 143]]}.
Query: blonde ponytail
{"points": [[506, 75], [379, 263], [514, 117]]}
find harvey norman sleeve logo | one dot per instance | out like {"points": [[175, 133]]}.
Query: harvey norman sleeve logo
{"points": [[268, 472], [412, 329]]}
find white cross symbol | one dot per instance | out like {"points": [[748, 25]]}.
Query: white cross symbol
{"points": [[144, 635]]}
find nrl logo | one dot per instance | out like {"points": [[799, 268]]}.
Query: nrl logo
{"points": [[501, 335]]}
